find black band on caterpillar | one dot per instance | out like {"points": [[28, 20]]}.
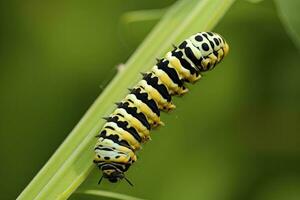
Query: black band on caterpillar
{"points": [[144, 98], [129, 125]]}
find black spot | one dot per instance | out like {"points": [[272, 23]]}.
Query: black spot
{"points": [[106, 158], [199, 38], [212, 44], [106, 149], [205, 46], [223, 40], [130, 101], [117, 157], [204, 35], [182, 45], [98, 156], [216, 41], [94, 161], [119, 114], [210, 33], [103, 148], [109, 127]]}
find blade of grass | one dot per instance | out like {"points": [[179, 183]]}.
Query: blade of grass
{"points": [[108, 194], [72, 162]]}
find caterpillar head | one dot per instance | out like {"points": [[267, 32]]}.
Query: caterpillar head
{"points": [[205, 50], [213, 48], [113, 173]]}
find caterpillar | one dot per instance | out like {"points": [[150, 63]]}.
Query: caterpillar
{"points": [[130, 123]]}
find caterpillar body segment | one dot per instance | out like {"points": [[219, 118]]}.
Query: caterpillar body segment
{"points": [[183, 72], [145, 105], [109, 148], [128, 127], [158, 93], [169, 77]]}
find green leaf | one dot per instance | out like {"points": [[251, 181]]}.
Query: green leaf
{"points": [[111, 195], [288, 11], [72, 162]]}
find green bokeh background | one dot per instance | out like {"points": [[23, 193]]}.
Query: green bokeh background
{"points": [[234, 136]]}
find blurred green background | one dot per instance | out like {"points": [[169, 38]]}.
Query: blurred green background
{"points": [[234, 136]]}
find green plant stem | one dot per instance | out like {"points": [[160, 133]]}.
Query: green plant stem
{"points": [[108, 194], [143, 15]]}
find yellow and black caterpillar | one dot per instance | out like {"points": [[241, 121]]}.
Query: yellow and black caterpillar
{"points": [[130, 124]]}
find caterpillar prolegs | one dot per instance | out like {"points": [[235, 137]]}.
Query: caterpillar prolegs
{"points": [[129, 125]]}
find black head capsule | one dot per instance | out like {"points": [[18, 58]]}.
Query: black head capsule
{"points": [[112, 173]]}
